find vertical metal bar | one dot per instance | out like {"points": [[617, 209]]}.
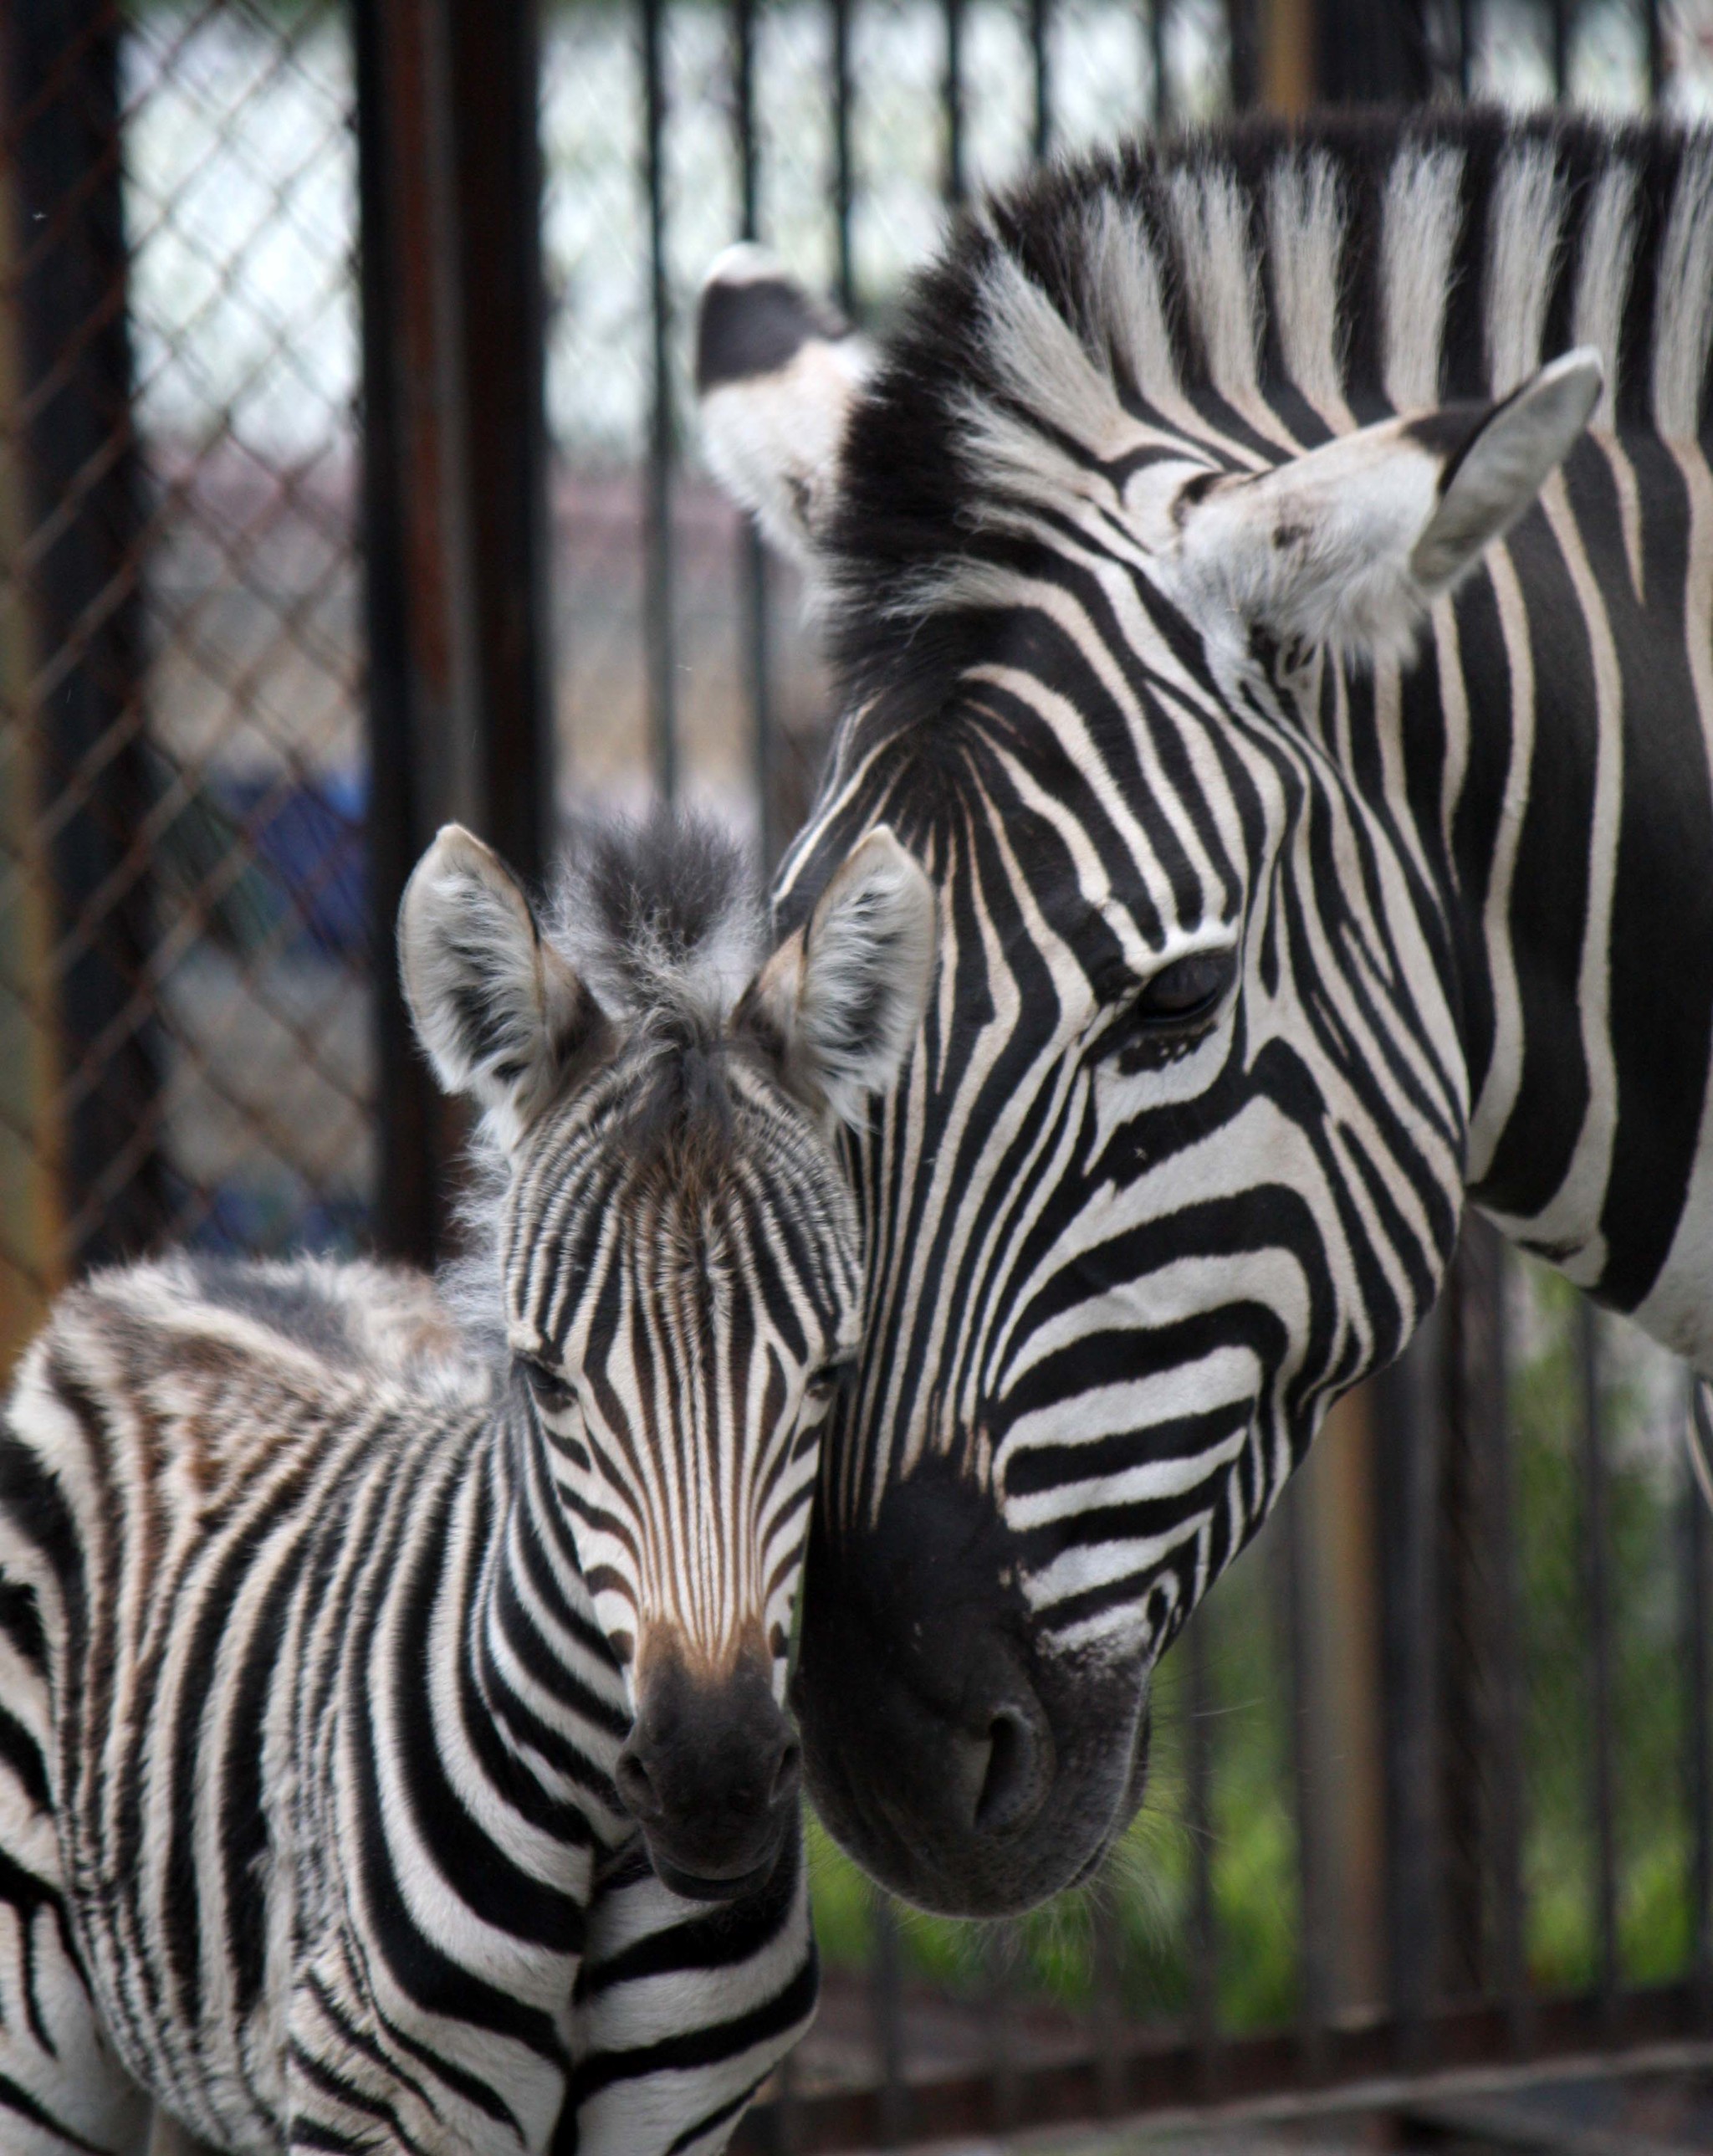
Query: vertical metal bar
{"points": [[659, 655], [1597, 1605], [494, 79], [999, 1945], [1561, 48], [1466, 46], [1160, 115], [1041, 59], [414, 599], [1656, 51], [951, 101], [60, 118], [1313, 1988], [1243, 36], [1699, 1752], [1504, 1726], [841, 153], [1199, 1773], [1109, 2075], [753, 568], [1409, 1474], [781, 2113], [886, 1983], [1466, 1646], [455, 505]]}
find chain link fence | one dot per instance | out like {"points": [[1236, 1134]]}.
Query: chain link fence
{"points": [[183, 939]]}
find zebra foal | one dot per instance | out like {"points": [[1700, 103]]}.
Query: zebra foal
{"points": [[391, 1748]]}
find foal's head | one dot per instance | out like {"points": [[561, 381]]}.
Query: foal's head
{"points": [[678, 1253]]}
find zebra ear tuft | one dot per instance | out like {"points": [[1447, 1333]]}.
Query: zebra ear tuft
{"points": [[1346, 547], [843, 999], [496, 1007], [777, 373]]}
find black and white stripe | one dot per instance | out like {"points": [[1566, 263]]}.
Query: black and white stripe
{"points": [[1286, 893], [331, 1601]]}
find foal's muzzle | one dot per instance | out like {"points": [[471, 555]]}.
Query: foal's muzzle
{"points": [[711, 1773]]}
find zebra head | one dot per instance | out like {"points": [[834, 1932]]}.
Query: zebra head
{"points": [[677, 1254], [1179, 1156]]}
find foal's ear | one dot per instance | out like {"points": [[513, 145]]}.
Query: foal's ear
{"points": [[1348, 545], [499, 1011], [777, 374], [843, 999]]}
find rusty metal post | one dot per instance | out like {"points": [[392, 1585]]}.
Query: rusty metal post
{"points": [[82, 702], [454, 501]]}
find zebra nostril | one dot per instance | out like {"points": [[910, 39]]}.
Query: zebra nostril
{"points": [[636, 1788], [1015, 1782], [787, 1775]]}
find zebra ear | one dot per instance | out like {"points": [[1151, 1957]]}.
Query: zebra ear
{"points": [[1346, 547], [496, 1007], [777, 373], [841, 1000]]}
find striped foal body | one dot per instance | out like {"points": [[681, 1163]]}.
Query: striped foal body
{"points": [[1311, 752], [393, 1757]]}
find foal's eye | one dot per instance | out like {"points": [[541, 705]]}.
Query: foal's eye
{"points": [[1180, 997], [549, 1390]]}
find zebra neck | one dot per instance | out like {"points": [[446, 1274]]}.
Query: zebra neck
{"points": [[1550, 748]]}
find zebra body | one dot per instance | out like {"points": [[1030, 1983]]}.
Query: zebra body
{"points": [[1307, 727], [337, 1808]]}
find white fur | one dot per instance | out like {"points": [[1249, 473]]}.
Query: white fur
{"points": [[1419, 226], [1604, 270], [1523, 228], [1038, 355], [1683, 309], [773, 441], [1305, 244], [1222, 282], [1129, 308], [1346, 547]]}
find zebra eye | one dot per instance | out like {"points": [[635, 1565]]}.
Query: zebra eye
{"points": [[1179, 999], [823, 1383], [548, 1389]]}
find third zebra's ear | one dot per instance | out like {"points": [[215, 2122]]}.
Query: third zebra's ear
{"points": [[498, 1009], [840, 1001], [777, 373], [1346, 547]]}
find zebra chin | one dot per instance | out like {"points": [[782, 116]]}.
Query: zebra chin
{"points": [[963, 1764]]}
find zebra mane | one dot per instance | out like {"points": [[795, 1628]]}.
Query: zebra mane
{"points": [[1274, 285], [662, 919]]}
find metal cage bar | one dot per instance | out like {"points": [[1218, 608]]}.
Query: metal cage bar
{"points": [[659, 612]]}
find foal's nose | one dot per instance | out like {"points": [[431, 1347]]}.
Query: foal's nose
{"points": [[710, 1773]]}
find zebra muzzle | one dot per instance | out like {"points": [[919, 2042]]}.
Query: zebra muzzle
{"points": [[711, 1772]]}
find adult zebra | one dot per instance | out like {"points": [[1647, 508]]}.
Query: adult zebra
{"points": [[1284, 896], [386, 1687]]}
